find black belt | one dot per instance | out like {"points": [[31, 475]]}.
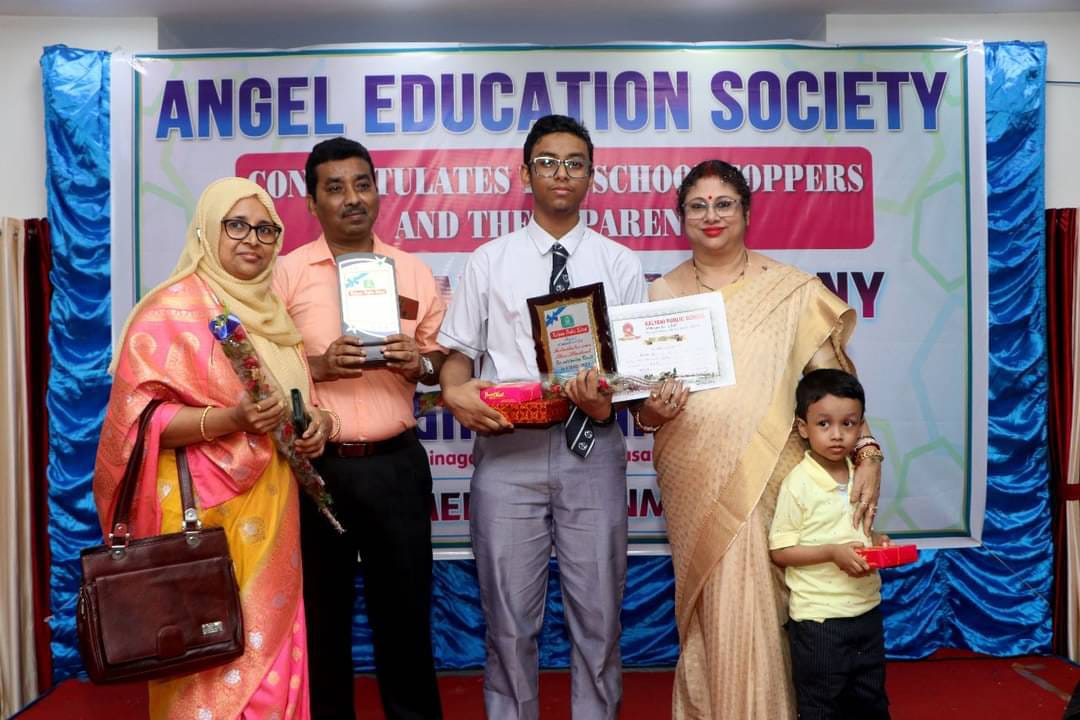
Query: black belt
{"points": [[368, 449]]}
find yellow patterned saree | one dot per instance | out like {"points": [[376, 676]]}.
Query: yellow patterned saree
{"points": [[241, 484], [719, 465]]}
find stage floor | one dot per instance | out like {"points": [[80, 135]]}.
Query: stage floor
{"points": [[954, 685]]}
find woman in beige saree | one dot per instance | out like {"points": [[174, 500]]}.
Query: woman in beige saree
{"points": [[721, 454]]}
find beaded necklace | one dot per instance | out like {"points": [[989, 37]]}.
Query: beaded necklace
{"points": [[703, 286]]}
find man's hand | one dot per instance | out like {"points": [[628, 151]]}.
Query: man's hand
{"points": [[403, 356], [464, 402], [584, 391], [865, 489], [344, 358]]}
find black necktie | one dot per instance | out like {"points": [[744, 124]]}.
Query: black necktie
{"points": [[560, 278], [580, 435]]}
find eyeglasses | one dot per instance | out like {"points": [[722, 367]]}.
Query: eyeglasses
{"points": [[547, 167], [723, 208], [239, 230]]}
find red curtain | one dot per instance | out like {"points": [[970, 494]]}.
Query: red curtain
{"points": [[37, 263], [1060, 286]]}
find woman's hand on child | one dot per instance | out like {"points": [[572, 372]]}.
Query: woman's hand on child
{"points": [[845, 557], [880, 539]]}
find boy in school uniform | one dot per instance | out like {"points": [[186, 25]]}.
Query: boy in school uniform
{"points": [[535, 489], [835, 631]]}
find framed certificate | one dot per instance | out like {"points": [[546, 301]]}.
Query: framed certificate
{"points": [[686, 338], [571, 331], [370, 308]]}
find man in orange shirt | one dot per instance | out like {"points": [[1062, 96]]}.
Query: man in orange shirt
{"points": [[374, 467]]}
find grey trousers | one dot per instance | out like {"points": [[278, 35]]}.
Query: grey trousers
{"points": [[529, 493]]}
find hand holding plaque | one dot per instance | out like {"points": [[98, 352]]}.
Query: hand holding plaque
{"points": [[571, 332], [683, 340], [635, 347], [370, 309]]}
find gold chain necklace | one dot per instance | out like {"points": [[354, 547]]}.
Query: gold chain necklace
{"points": [[703, 286]]}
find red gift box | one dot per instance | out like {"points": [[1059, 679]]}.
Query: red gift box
{"points": [[523, 404], [507, 393], [536, 413], [889, 555], [526, 404]]}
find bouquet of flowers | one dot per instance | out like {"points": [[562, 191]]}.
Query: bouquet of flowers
{"points": [[228, 330]]}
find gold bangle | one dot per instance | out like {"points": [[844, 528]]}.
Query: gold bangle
{"points": [[335, 425], [868, 452], [202, 424], [641, 426]]}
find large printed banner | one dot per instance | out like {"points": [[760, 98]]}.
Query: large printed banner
{"points": [[863, 164]]}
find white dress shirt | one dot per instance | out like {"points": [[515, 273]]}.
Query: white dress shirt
{"points": [[488, 316]]}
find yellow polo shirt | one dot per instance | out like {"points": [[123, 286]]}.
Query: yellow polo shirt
{"points": [[813, 509]]}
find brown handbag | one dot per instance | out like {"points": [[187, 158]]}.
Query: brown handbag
{"points": [[157, 606]]}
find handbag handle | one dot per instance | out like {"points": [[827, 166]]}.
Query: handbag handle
{"points": [[187, 495], [120, 535]]}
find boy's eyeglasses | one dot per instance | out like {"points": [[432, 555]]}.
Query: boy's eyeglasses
{"points": [[547, 167]]}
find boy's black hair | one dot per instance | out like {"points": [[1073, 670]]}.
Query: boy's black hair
{"points": [[556, 124], [338, 148], [819, 383]]}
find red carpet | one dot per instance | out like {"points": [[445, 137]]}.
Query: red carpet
{"points": [[953, 685]]}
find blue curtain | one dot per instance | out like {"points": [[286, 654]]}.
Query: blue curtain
{"points": [[76, 91], [995, 599], [991, 599]]}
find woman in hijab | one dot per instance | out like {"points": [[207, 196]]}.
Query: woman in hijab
{"points": [[242, 483]]}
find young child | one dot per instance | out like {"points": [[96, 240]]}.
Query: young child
{"points": [[836, 634]]}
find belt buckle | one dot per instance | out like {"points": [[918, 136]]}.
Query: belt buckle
{"points": [[356, 449]]}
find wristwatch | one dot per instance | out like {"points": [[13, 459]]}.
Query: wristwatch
{"points": [[427, 369], [607, 421]]}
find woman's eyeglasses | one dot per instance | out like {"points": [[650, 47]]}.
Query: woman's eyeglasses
{"points": [[722, 208], [239, 230]]}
